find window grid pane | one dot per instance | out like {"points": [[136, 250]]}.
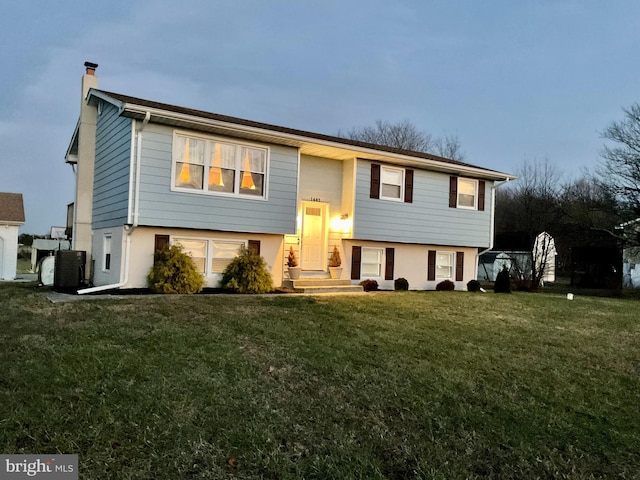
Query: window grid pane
{"points": [[371, 262], [212, 166], [466, 193]]}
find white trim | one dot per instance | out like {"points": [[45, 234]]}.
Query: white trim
{"points": [[402, 172], [381, 258], [209, 249], [452, 255], [209, 139], [475, 193], [107, 247]]}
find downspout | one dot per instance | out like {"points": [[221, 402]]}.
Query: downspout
{"points": [[129, 228], [493, 222]]}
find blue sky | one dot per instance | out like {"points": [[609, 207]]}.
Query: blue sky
{"points": [[513, 80]]}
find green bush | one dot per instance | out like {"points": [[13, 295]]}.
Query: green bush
{"points": [[247, 273], [174, 272], [473, 286], [445, 286], [369, 285], [401, 284]]}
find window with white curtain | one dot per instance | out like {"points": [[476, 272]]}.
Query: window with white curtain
{"points": [[213, 166], [444, 265], [210, 256], [371, 262]]}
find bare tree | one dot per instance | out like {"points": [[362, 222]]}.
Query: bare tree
{"points": [[407, 136], [620, 169]]}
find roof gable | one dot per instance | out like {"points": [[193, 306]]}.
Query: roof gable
{"points": [[11, 208]]}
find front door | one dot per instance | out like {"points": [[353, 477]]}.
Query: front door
{"points": [[314, 236]]}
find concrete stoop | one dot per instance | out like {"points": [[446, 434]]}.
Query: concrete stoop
{"points": [[321, 285]]}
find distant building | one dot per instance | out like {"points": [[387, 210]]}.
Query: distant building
{"points": [[11, 217]]}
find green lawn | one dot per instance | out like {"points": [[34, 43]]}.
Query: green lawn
{"points": [[384, 385]]}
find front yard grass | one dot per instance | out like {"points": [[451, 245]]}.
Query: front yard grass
{"points": [[384, 385]]}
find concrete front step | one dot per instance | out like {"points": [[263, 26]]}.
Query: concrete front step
{"points": [[321, 285]]}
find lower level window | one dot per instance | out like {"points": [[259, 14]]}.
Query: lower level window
{"points": [[210, 256], [371, 265], [106, 260], [444, 265]]}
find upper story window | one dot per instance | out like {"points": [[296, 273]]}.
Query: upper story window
{"points": [[391, 183], [466, 193], [209, 165]]}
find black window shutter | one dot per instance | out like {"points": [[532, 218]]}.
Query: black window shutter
{"points": [[356, 255], [254, 247], [161, 242], [459, 266], [408, 186], [481, 193], [389, 261], [431, 265], [453, 192], [375, 181]]}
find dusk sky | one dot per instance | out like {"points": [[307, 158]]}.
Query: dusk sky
{"points": [[513, 80]]}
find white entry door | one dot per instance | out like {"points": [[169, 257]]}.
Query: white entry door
{"points": [[314, 236]]}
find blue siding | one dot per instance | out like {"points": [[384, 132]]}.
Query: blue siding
{"points": [[159, 206], [428, 220], [111, 174]]}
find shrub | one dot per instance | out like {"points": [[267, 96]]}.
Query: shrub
{"points": [[369, 285], [503, 281], [247, 273], [473, 286], [401, 284], [445, 286], [174, 272]]}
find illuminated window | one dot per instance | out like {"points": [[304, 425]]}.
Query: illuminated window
{"points": [[467, 193], [212, 166]]}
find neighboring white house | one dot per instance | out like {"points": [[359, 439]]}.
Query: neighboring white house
{"points": [[631, 255], [150, 174], [11, 217]]}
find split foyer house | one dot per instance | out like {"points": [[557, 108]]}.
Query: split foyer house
{"points": [[150, 174], [11, 217]]}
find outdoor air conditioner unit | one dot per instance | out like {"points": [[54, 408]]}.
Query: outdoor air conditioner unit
{"points": [[69, 269]]}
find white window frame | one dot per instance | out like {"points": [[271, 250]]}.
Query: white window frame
{"points": [[107, 257], [213, 253], [392, 170], [451, 266], [379, 263], [475, 193], [209, 145], [210, 250]]}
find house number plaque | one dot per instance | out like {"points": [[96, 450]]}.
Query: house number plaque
{"points": [[315, 199]]}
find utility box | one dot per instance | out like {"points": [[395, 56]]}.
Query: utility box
{"points": [[69, 269]]}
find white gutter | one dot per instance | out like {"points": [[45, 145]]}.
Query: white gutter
{"points": [[131, 227], [493, 222]]}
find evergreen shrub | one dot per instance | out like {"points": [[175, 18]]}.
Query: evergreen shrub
{"points": [[401, 284], [247, 273], [445, 286], [473, 286], [174, 272], [369, 285]]}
